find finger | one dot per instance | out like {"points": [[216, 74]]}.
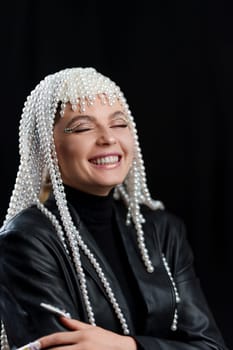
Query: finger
{"points": [[36, 345], [58, 339], [68, 347], [74, 325]]}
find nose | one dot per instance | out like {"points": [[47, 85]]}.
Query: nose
{"points": [[105, 137]]}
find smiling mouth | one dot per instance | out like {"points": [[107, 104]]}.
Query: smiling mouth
{"points": [[109, 160]]}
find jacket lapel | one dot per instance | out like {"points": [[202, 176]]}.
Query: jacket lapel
{"points": [[107, 270], [154, 287]]}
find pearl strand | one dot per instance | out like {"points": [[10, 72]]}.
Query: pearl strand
{"points": [[104, 281], [58, 189], [4, 341], [138, 219], [177, 297], [68, 224]]}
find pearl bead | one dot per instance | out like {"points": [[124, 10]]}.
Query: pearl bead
{"points": [[150, 269], [173, 327]]}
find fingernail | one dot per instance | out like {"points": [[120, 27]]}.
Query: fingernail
{"points": [[36, 345]]}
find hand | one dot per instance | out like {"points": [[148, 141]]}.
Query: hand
{"points": [[84, 336]]}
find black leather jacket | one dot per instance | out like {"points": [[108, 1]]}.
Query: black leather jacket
{"points": [[35, 268]]}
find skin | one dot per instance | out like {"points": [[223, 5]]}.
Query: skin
{"points": [[102, 130], [83, 336]]}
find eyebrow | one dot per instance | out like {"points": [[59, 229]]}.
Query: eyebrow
{"points": [[91, 118]]}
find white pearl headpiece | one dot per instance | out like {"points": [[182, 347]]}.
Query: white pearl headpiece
{"points": [[80, 87]]}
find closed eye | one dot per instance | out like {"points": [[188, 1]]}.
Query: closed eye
{"points": [[81, 130], [119, 126], [77, 129]]}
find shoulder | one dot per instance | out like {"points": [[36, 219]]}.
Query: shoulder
{"points": [[169, 233], [162, 217], [30, 238], [30, 222], [162, 228], [164, 221], [168, 228]]}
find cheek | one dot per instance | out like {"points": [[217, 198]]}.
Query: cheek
{"points": [[67, 148], [130, 146], [71, 155], [64, 155]]}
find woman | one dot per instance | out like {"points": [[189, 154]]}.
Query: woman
{"points": [[99, 248]]}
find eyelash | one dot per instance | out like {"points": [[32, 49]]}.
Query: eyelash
{"points": [[87, 129], [120, 126], [81, 130]]}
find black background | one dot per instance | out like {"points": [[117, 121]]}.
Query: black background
{"points": [[174, 62]]}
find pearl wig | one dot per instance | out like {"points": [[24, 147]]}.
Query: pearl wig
{"points": [[79, 87]]}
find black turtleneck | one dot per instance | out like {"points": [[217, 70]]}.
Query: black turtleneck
{"points": [[96, 212]]}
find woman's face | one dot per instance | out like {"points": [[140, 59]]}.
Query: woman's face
{"points": [[97, 151]]}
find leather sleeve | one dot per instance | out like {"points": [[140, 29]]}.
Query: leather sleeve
{"points": [[31, 273], [197, 329]]}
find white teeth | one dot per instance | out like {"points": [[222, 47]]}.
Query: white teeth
{"points": [[105, 160]]}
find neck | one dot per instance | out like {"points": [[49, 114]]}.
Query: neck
{"points": [[90, 207]]}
